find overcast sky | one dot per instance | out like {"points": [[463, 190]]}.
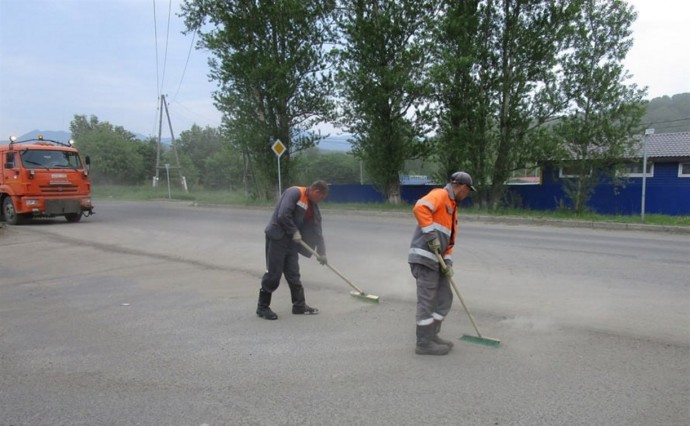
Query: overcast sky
{"points": [[109, 58]]}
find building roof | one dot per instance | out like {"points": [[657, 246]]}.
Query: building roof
{"points": [[666, 145]]}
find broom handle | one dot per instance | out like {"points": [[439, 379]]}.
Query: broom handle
{"points": [[443, 267], [313, 252]]}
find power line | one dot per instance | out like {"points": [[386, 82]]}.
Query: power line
{"points": [[668, 121], [155, 37], [189, 54], [188, 110], [167, 39], [161, 81], [677, 126], [160, 78]]}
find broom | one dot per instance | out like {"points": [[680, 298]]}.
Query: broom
{"points": [[474, 339], [358, 293]]}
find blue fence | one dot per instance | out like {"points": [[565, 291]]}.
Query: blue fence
{"points": [[665, 193], [355, 193]]}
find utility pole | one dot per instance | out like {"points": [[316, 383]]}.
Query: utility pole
{"points": [[183, 180], [647, 133]]}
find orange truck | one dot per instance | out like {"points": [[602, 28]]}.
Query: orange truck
{"points": [[43, 178]]}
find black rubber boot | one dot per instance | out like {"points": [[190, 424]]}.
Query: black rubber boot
{"points": [[437, 339], [425, 343], [299, 307], [304, 310], [262, 309]]}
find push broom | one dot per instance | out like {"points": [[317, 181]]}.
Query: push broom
{"points": [[474, 339], [358, 293]]}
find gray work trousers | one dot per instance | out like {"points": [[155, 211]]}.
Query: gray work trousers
{"points": [[282, 258], [434, 296]]}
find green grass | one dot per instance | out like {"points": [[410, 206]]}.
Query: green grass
{"points": [[145, 192], [650, 219]]}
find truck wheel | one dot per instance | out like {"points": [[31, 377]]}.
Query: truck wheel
{"points": [[73, 217], [10, 213]]}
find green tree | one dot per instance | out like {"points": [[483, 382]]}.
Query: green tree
{"points": [[528, 39], [117, 157], [204, 151], [603, 112], [147, 150], [270, 62], [460, 76], [333, 167], [496, 81], [383, 82]]}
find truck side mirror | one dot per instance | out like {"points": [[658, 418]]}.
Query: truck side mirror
{"points": [[87, 159]]}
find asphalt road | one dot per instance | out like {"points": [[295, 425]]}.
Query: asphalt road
{"points": [[143, 314]]}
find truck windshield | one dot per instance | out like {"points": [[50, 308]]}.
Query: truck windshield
{"points": [[52, 159]]}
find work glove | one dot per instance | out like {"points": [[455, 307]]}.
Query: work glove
{"points": [[297, 236], [447, 269], [322, 259], [434, 245]]}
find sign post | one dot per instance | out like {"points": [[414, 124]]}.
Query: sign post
{"points": [[279, 149]]}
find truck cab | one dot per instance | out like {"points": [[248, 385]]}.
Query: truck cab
{"points": [[43, 178]]}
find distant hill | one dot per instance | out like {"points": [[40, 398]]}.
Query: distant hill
{"points": [[64, 136], [668, 114], [331, 143], [335, 143], [56, 135]]}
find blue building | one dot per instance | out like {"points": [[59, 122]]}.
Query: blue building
{"points": [[667, 188]]}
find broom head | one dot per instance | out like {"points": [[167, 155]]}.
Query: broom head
{"points": [[481, 340], [365, 297]]}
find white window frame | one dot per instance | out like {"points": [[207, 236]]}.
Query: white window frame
{"points": [[650, 171], [562, 176], [526, 176], [680, 169]]}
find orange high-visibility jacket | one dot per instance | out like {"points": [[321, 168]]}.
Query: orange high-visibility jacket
{"points": [[436, 218]]}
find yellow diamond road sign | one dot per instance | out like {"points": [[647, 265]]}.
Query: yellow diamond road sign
{"points": [[278, 148]]}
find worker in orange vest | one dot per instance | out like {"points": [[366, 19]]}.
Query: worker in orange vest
{"points": [[435, 233]]}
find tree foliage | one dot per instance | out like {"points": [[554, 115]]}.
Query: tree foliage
{"points": [[333, 167], [602, 112], [210, 161], [486, 86], [496, 84], [460, 76], [524, 49], [117, 157], [383, 82], [270, 64]]}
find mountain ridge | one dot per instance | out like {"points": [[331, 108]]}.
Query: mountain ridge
{"points": [[331, 143]]}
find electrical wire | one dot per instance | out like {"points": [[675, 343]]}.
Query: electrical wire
{"points": [[155, 38], [177, 111], [160, 77], [668, 121], [158, 88], [677, 126], [184, 71], [167, 40]]}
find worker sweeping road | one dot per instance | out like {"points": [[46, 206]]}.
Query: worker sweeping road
{"points": [[296, 219], [435, 233]]}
